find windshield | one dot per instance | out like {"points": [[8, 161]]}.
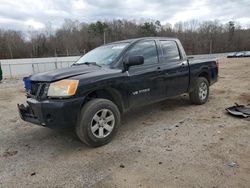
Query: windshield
{"points": [[103, 55]]}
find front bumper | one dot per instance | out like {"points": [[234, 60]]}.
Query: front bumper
{"points": [[51, 113]]}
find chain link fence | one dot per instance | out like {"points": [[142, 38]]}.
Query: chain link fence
{"points": [[25, 67]]}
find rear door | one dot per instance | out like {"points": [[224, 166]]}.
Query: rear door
{"points": [[145, 81], [175, 68]]}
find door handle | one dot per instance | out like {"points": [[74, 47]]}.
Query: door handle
{"points": [[159, 69], [183, 64]]}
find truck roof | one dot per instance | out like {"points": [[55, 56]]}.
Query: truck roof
{"points": [[141, 38]]}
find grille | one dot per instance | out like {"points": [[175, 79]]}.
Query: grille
{"points": [[37, 88], [42, 87], [34, 88]]}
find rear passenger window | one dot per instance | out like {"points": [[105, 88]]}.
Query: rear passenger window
{"points": [[170, 50], [147, 49]]}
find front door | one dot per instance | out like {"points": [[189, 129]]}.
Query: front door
{"points": [[145, 81]]}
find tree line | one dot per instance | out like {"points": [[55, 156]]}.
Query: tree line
{"points": [[75, 38]]}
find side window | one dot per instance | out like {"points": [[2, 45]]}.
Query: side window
{"points": [[147, 49], [170, 50]]}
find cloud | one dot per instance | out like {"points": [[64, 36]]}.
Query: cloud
{"points": [[26, 14], [34, 24]]}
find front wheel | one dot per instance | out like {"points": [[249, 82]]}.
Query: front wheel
{"points": [[201, 91], [98, 122]]}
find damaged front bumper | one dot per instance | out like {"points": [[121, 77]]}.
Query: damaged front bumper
{"points": [[27, 114], [51, 113]]}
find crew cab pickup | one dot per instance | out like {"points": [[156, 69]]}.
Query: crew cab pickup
{"points": [[96, 90]]}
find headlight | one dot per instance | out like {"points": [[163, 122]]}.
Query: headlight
{"points": [[63, 88]]}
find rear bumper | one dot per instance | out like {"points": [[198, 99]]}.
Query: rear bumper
{"points": [[51, 113]]}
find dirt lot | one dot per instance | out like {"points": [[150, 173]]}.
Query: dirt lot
{"points": [[168, 144]]}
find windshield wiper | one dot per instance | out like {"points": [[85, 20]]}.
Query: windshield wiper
{"points": [[87, 63]]}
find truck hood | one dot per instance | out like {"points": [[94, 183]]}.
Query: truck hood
{"points": [[63, 73]]}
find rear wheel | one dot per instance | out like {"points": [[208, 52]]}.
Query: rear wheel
{"points": [[98, 122], [201, 91]]}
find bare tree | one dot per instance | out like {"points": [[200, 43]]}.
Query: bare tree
{"points": [[74, 38]]}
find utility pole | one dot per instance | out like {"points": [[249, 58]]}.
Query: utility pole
{"points": [[104, 37], [210, 46], [10, 50], [55, 53]]}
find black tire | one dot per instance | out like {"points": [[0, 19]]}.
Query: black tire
{"points": [[194, 96], [86, 119]]}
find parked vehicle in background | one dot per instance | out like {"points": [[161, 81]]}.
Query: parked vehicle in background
{"points": [[112, 79], [231, 55], [247, 54], [238, 54]]}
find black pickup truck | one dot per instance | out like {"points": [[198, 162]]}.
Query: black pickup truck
{"points": [[110, 80]]}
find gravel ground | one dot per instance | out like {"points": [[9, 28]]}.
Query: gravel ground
{"points": [[168, 144]]}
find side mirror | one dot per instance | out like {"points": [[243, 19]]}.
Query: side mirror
{"points": [[134, 60]]}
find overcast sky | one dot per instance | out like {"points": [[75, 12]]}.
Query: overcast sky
{"points": [[26, 14]]}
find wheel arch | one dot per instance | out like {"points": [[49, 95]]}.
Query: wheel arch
{"points": [[204, 73], [109, 93]]}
